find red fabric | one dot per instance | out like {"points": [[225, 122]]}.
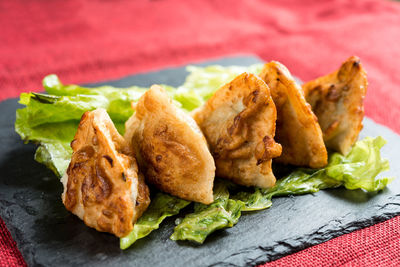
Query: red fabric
{"points": [[361, 248], [9, 253], [85, 41]]}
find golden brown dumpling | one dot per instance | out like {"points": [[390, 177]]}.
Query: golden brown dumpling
{"points": [[102, 185], [297, 128], [171, 150], [238, 122], [337, 100]]}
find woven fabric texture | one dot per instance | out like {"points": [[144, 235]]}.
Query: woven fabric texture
{"points": [[378, 245], [9, 253], [88, 41]]}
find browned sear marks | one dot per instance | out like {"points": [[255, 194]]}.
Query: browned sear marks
{"points": [[297, 127], [94, 189], [238, 122], [337, 100], [170, 148]]}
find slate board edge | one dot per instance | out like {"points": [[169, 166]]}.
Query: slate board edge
{"points": [[315, 238], [27, 250], [265, 253]]}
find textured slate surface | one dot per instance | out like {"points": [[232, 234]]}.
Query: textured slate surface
{"points": [[48, 235]]}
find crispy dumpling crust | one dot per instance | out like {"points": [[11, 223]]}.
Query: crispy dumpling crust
{"points": [[297, 128], [238, 122], [337, 100], [171, 150], [102, 185]]}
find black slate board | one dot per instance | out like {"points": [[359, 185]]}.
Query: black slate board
{"points": [[48, 235]]}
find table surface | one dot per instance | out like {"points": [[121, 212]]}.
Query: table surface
{"points": [[99, 40], [47, 234]]}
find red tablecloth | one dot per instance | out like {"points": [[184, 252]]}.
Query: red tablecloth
{"points": [[85, 41]]}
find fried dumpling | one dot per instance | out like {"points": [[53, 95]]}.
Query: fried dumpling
{"points": [[238, 122], [102, 185], [337, 100], [171, 150], [297, 128]]}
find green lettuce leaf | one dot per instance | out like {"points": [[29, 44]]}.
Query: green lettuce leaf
{"points": [[205, 219], [117, 101], [358, 170], [161, 206], [51, 122], [54, 86], [54, 139], [298, 182], [44, 109], [206, 80], [202, 82], [55, 156]]}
